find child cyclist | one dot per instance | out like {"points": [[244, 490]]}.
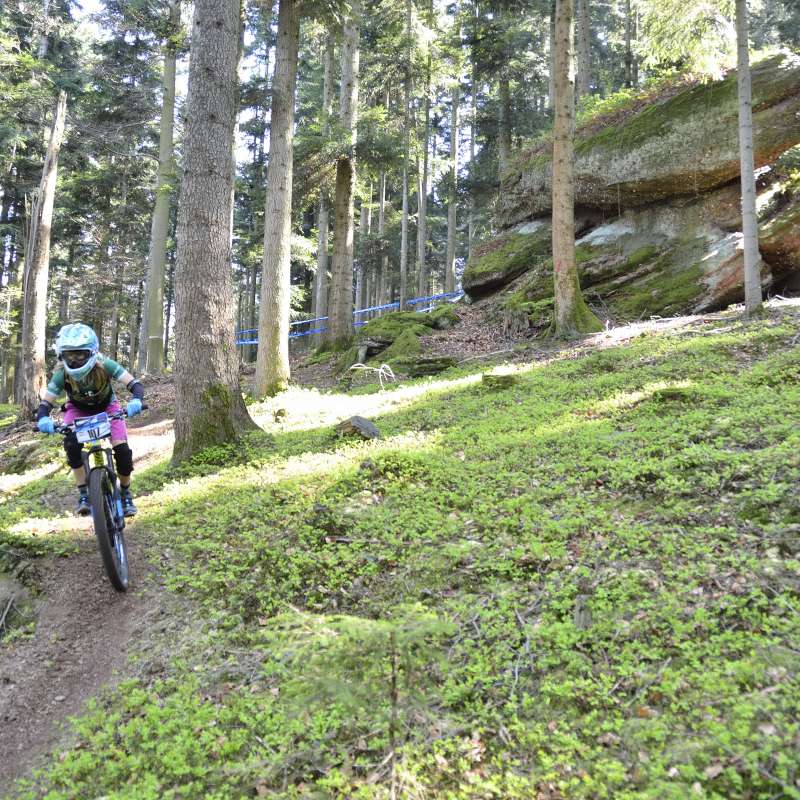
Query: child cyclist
{"points": [[85, 375]]}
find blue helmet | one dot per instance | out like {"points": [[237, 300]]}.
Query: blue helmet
{"points": [[77, 346]]}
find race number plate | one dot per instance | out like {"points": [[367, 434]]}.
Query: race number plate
{"points": [[89, 429]]}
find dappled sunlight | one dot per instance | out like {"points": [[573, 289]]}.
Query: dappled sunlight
{"points": [[630, 399], [73, 526], [307, 465], [13, 483], [303, 409]]}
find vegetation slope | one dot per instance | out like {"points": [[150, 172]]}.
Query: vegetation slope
{"points": [[584, 585]]}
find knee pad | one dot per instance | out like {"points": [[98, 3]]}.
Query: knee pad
{"points": [[73, 449], [123, 457]]}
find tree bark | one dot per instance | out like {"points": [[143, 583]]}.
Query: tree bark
{"points": [[628, 45], [422, 188], [380, 284], [752, 257], [504, 126], [152, 342], [340, 322], [323, 217], [572, 315], [364, 229], [136, 328], [473, 119], [37, 266], [450, 260], [168, 308], [406, 145], [208, 400], [272, 360], [584, 49], [551, 82]]}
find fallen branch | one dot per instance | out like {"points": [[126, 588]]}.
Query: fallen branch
{"points": [[9, 606], [384, 372]]}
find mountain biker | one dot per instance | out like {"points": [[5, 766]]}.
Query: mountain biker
{"points": [[86, 375]]}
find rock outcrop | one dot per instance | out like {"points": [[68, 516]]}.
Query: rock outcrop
{"points": [[658, 220], [682, 146]]}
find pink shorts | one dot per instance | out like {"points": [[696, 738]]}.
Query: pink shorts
{"points": [[119, 431]]}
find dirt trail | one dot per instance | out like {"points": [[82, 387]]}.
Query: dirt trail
{"points": [[85, 631], [83, 635]]}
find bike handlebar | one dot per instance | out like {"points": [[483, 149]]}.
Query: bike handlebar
{"points": [[64, 429]]}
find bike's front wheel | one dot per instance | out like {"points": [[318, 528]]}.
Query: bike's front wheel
{"points": [[109, 533]]}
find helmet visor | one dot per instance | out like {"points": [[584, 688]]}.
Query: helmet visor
{"points": [[75, 359]]}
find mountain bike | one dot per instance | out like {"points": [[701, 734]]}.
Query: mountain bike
{"points": [[104, 492]]}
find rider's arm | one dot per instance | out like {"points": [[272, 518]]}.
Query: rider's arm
{"points": [[52, 392], [119, 373], [44, 410]]}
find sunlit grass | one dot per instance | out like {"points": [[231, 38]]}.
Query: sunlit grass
{"points": [[12, 483], [303, 409]]}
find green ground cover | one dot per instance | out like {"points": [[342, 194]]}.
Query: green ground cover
{"points": [[583, 586]]}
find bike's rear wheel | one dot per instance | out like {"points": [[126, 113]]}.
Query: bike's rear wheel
{"points": [[110, 538]]}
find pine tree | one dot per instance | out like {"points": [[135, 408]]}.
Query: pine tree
{"points": [[35, 276], [209, 408], [340, 312], [272, 362], [152, 351], [752, 258], [572, 315]]}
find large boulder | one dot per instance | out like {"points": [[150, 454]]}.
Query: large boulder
{"points": [[498, 261], [683, 145], [663, 260]]}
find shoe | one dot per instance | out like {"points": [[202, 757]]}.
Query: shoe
{"points": [[84, 507], [128, 508]]}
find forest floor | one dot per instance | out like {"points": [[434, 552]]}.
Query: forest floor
{"points": [[584, 585]]}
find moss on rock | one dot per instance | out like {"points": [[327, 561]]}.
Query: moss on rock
{"points": [[679, 144], [499, 261], [405, 345]]}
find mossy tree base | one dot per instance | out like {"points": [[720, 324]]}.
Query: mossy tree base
{"points": [[574, 323], [217, 417]]}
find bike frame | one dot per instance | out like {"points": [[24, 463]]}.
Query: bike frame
{"points": [[98, 456]]}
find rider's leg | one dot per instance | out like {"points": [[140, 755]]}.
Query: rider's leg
{"points": [[123, 458], [74, 449]]}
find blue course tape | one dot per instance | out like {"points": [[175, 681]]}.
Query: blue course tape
{"points": [[411, 302]]}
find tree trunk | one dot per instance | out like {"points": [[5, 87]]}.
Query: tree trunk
{"points": [[752, 258], [628, 45], [66, 285], [473, 120], [551, 83], [323, 217], [364, 227], [340, 312], [504, 126], [406, 145], [35, 276], [380, 284], [152, 342], [209, 408], [584, 49], [168, 308], [572, 315], [136, 328], [422, 188], [450, 261], [272, 360]]}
